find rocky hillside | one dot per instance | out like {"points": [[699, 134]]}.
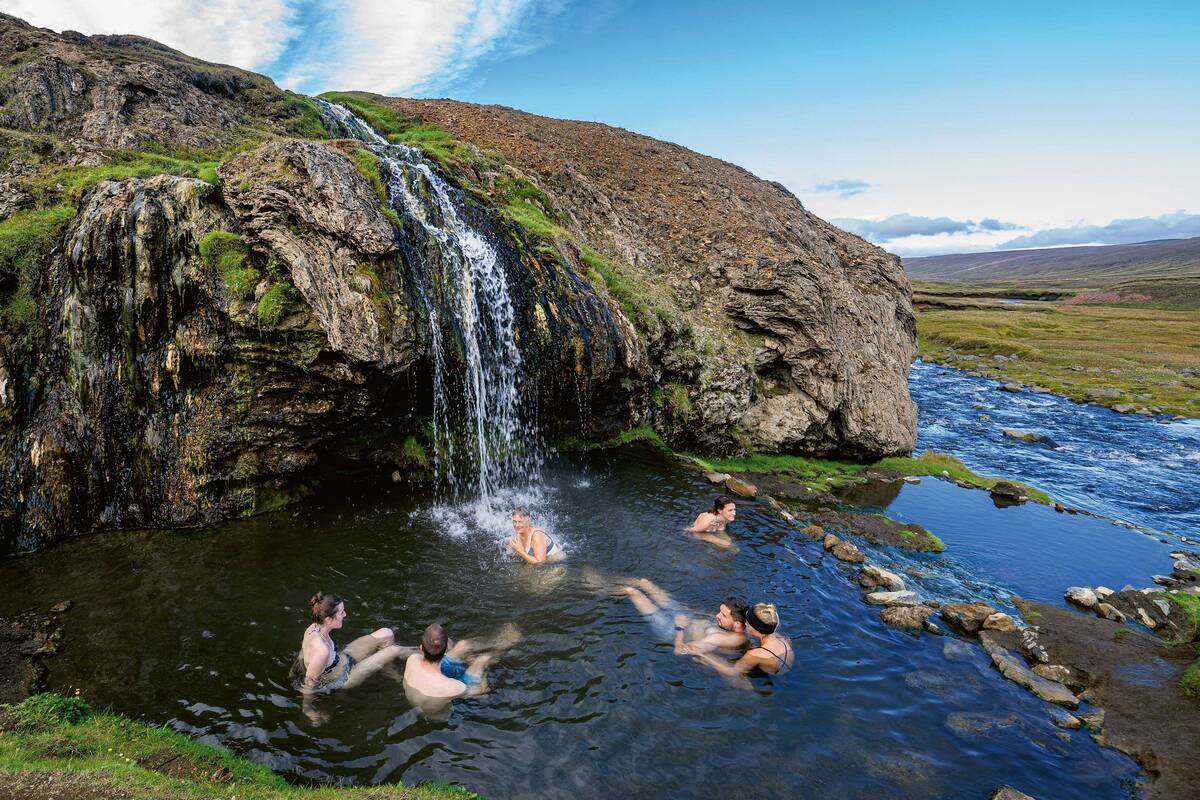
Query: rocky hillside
{"points": [[208, 305]]}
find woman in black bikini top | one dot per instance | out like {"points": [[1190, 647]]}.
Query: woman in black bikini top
{"points": [[773, 655]]}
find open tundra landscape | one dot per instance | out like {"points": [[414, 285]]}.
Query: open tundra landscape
{"points": [[362, 442]]}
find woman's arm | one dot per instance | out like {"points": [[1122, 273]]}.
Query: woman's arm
{"points": [[715, 539], [515, 544], [703, 522], [737, 669]]}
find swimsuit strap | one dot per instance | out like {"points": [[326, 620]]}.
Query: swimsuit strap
{"points": [[333, 661], [782, 659]]}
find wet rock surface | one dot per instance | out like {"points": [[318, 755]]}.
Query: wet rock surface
{"points": [[1134, 679]]}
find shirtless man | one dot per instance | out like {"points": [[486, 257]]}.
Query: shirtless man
{"points": [[691, 636], [425, 674]]}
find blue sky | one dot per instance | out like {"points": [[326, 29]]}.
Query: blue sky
{"points": [[932, 127]]}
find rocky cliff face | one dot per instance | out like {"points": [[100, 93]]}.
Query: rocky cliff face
{"points": [[207, 306], [828, 322]]}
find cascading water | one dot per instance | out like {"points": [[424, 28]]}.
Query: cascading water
{"points": [[462, 285]]}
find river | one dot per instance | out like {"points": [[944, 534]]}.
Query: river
{"points": [[196, 629]]}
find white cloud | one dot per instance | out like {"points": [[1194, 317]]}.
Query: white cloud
{"points": [[402, 46], [385, 46], [245, 33]]}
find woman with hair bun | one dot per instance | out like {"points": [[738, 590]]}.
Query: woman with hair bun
{"points": [[321, 667], [710, 525], [772, 656]]}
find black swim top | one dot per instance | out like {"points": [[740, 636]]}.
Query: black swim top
{"points": [[783, 665]]}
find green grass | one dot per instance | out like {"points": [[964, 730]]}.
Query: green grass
{"points": [[822, 473], [673, 399], [1190, 606], [306, 118], [632, 297], [226, 253], [415, 452], [371, 168], [72, 183], [1119, 634], [52, 741], [274, 302], [386, 121], [947, 466], [1137, 350], [25, 239], [1190, 682]]}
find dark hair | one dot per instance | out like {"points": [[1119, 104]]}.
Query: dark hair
{"points": [[737, 608], [323, 606], [433, 642], [721, 501]]}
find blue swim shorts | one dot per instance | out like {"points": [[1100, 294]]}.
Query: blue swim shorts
{"points": [[453, 668]]}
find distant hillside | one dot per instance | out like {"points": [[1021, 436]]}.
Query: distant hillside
{"points": [[1064, 266]]}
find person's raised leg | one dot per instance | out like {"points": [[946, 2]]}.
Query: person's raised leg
{"points": [[364, 669], [661, 598], [640, 601], [364, 646]]}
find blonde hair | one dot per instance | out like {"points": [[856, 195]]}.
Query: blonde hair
{"points": [[765, 614]]}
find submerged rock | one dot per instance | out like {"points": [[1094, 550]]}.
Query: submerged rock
{"points": [[1030, 438], [1009, 793]]}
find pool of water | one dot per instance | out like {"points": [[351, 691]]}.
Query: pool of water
{"points": [[1124, 466], [196, 630]]}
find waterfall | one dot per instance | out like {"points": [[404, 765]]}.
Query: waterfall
{"points": [[461, 283]]}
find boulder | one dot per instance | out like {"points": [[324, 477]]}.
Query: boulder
{"points": [[1012, 387], [1103, 592], [815, 531], [740, 487], [872, 576], [829, 541], [906, 617], [1081, 596], [1009, 492], [893, 598], [1000, 622], [1109, 612], [848, 552], [717, 477], [967, 617]]}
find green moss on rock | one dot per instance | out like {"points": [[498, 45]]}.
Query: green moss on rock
{"points": [[274, 302], [226, 253]]}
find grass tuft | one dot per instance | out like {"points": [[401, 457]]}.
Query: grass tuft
{"points": [[64, 747], [226, 253], [274, 302]]}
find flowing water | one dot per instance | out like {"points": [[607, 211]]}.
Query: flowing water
{"points": [[1123, 466], [465, 294]]}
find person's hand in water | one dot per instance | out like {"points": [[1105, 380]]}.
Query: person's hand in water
{"points": [[682, 620]]}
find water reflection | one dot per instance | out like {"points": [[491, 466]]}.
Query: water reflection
{"points": [[591, 703]]}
